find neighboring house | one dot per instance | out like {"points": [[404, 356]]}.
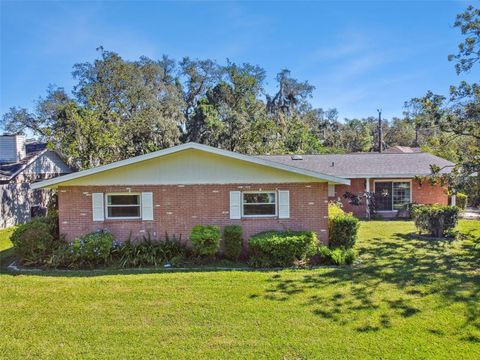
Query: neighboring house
{"points": [[21, 164], [170, 191], [402, 149]]}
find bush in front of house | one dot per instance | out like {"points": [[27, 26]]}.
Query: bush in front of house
{"points": [[205, 240], [148, 252], [233, 240], [281, 248], [436, 220], [336, 256], [335, 208], [462, 200], [342, 231], [33, 242], [36, 241], [89, 250]]}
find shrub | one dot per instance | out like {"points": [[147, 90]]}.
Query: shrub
{"points": [[90, 249], [437, 220], [33, 241], [335, 209], [205, 239], [281, 248], [343, 231], [336, 256], [148, 252], [233, 239], [462, 200]]}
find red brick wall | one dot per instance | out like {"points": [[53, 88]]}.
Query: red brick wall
{"points": [[357, 186], [429, 194], [178, 208], [424, 194]]}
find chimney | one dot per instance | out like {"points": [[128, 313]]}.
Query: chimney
{"points": [[12, 148]]}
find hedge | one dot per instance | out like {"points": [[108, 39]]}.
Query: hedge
{"points": [[436, 220], [205, 239], [233, 239], [281, 248], [342, 231], [462, 200]]}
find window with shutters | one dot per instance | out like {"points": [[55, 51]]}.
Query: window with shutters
{"points": [[259, 203], [123, 206]]}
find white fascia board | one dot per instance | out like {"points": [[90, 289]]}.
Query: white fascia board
{"points": [[30, 162], [385, 176], [175, 149]]}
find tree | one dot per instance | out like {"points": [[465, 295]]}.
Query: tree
{"points": [[469, 49], [198, 76], [458, 116], [136, 107], [291, 98], [401, 132]]}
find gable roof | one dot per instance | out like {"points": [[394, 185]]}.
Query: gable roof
{"points": [[32, 150], [208, 149], [361, 165]]}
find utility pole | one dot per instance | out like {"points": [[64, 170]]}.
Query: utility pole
{"points": [[380, 131]]}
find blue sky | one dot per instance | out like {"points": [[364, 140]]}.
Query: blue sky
{"points": [[359, 55]]}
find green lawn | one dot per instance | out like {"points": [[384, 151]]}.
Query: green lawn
{"points": [[406, 298]]}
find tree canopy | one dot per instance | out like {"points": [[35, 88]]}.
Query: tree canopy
{"points": [[121, 108]]}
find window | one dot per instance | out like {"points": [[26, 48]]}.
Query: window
{"points": [[123, 206], [259, 204], [392, 195]]}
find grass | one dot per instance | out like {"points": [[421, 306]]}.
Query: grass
{"points": [[6, 250], [406, 298]]}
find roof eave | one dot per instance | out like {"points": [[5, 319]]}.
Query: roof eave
{"points": [[53, 183]]}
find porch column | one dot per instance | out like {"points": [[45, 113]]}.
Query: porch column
{"points": [[454, 200], [367, 202]]}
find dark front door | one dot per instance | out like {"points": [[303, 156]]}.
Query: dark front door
{"points": [[383, 190]]}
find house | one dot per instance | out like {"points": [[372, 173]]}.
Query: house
{"points": [[21, 164], [171, 190], [390, 175]]}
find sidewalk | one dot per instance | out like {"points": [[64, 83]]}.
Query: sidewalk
{"points": [[470, 213]]}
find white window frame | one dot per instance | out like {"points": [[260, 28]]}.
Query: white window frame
{"points": [[260, 192], [392, 181], [123, 217]]}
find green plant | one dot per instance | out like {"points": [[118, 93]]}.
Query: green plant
{"points": [[91, 249], [436, 220], [462, 200], [233, 239], [149, 252], [33, 241], [337, 256], [281, 248], [335, 209], [205, 239], [343, 231]]}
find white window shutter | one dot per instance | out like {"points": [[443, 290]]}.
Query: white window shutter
{"points": [[147, 206], [235, 205], [331, 190], [283, 204], [98, 210]]}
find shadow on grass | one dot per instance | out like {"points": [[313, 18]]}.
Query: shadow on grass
{"points": [[415, 266], [6, 258]]}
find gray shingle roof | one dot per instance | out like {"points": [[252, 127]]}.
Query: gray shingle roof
{"points": [[359, 165], [32, 150]]}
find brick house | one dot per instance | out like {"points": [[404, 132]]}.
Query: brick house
{"points": [[171, 190], [391, 175]]}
